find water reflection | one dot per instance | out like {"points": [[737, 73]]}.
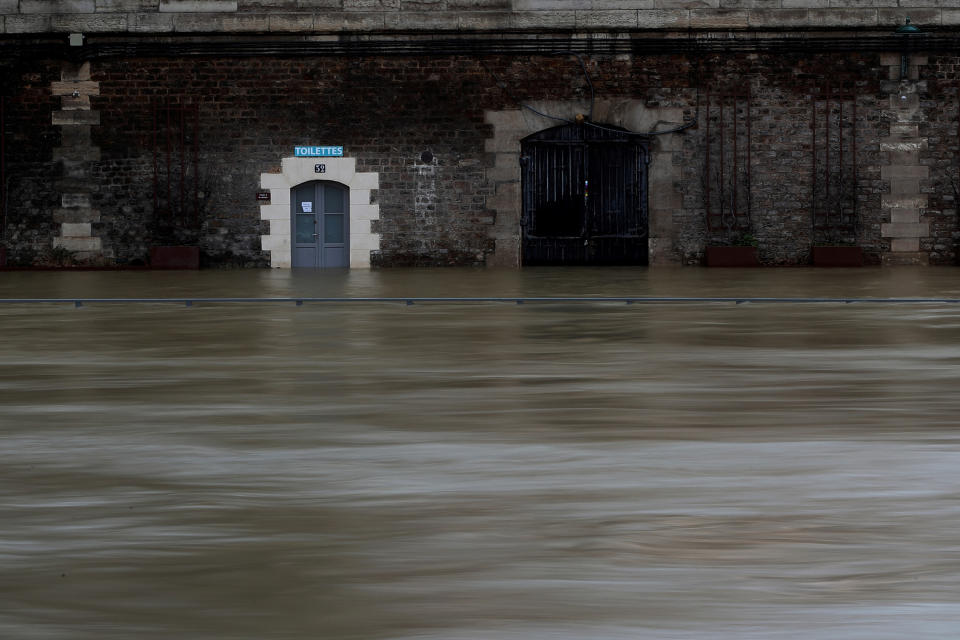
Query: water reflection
{"points": [[479, 471]]}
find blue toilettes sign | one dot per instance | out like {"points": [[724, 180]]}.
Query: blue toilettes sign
{"points": [[317, 152]]}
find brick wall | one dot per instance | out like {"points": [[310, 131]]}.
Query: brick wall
{"points": [[422, 125]]}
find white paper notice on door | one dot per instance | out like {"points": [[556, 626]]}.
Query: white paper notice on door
{"points": [[307, 207]]}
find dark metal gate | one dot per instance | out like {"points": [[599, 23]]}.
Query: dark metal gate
{"points": [[584, 196], [176, 200]]}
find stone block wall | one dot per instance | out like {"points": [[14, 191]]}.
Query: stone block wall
{"points": [[337, 16]]}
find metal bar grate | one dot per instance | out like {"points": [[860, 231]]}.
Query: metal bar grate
{"points": [[833, 198], [727, 171], [175, 163]]}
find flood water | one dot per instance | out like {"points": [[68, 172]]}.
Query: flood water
{"points": [[480, 471]]}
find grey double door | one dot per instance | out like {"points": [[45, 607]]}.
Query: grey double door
{"points": [[320, 225]]}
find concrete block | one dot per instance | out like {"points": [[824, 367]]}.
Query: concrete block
{"points": [[83, 87], [905, 230], [275, 243], [80, 103], [485, 20], [198, 6], [901, 172], [506, 168], [359, 196], [374, 5], [905, 244], [949, 17], [890, 201], [75, 200], [684, 4], [149, 23], [481, 5], [75, 117], [26, 24], [805, 4], [75, 229], [324, 4], [359, 259], [57, 6], [274, 181], [903, 130], [906, 259], [904, 186], [548, 5], [421, 20], [88, 23], [279, 260], [127, 5], [546, 19], [364, 212], [905, 101], [848, 18], [223, 23], [9, 6], [275, 211], [365, 241], [92, 244], [894, 18], [663, 19], [290, 22], [280, 196], [509, 119], [888, 59], [365, 180], [279, 228], [719, 19], [76, 215], [857, 4], [907, 145], [905, 216], [778, 18], [606, 19]]}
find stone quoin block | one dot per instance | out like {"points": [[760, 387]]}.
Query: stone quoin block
{"points": [[899, 230]]}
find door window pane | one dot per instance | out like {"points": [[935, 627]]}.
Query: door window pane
{"points": [[333, 200], [333, 228], [305, 229]]}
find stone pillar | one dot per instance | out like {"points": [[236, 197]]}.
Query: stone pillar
{"points": [[905, 203], [77, 155]]}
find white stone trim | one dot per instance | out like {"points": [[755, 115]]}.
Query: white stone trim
{"points": [[296, 171]]}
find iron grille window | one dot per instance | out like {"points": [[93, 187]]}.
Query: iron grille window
{"points": [[176, 198], [726, 176], [834, 184]]}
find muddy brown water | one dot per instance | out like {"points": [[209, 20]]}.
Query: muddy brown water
{"points": [[480, 471]]}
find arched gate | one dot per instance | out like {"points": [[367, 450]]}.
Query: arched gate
{"points": [[584, 196]]}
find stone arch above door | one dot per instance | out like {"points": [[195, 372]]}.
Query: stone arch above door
{"points": [[295, 171]]}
